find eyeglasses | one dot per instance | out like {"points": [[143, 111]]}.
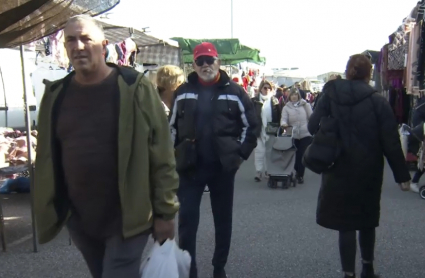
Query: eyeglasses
{"points": [[205, 59], [267, 88]]}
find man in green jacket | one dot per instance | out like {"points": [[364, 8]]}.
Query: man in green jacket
{"points": [[105, 163]]}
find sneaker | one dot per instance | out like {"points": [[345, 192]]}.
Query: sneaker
{"points": [[300, 180], [258, 176], [266, 175], [414, 187]]}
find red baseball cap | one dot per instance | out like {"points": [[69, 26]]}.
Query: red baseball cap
{"points": [[204, 49]]}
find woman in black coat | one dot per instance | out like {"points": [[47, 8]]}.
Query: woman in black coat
{"points": [[350, 193]]}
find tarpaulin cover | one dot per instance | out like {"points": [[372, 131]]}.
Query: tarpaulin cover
{"points": [[230, 51], [24, 21], [152, 50]]}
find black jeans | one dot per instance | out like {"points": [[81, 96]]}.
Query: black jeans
{"points": [[221, 186], [301, 145], [418, 176], [348, 248]]}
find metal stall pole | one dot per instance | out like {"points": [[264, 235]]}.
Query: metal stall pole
{"points": [[5, 99], [231, 18], [29, 146]]}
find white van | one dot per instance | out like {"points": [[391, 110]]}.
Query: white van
{"points": [[12, 90]]}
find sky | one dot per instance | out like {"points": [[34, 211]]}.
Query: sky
{"points": [[316, 36]]}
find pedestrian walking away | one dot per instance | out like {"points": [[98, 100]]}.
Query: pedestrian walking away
{"points": [[213, 123], [105, 159], [296, 113], [350, 193]]}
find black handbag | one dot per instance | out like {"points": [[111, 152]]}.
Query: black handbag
{"points": [[272, 128], [325, 148]]}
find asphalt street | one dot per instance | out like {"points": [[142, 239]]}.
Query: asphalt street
{"points": [[274, 235]]}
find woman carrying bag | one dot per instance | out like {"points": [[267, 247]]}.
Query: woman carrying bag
{"points": [[268, 114], [296, 113], [366, 131]]}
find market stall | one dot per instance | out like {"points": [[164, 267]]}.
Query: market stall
{"points": [[399, 72], [230, 51], [26, 21], [147, 50]]}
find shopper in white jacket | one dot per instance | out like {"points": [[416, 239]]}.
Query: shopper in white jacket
{"points": [[268, 110], [296, 113]]}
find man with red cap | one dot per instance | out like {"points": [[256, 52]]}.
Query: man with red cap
{"points": [[212, 123]]}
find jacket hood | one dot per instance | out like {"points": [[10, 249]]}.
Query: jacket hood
{"points": [[224, 78], [348, 92]]}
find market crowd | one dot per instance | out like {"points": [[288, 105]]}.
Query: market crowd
{"points": [[118, 157]]}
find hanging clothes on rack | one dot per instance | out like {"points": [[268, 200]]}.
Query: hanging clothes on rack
{"points": [[397, 50], [111, 54], [412, 83]]}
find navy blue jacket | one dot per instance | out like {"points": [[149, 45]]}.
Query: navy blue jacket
{"points": [[233, 121]]}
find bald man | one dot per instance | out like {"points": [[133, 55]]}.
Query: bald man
{"points": [[105, 161]]}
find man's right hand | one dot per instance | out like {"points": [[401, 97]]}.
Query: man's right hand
{"points": [[405, 186], [163, 229]]}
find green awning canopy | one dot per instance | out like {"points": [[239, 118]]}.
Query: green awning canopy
{"points": [[230, 51]]}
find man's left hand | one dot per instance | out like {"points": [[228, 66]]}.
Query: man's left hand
{"points": [[163, 229]]}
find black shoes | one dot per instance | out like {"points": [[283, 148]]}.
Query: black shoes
{"points": [[220, 273], [368, 271], [300, 180]]}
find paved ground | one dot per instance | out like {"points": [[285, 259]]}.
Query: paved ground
{"points": [[275, 236]]}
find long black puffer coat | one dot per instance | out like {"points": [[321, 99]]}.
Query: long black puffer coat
{"points": [[350, 193]]}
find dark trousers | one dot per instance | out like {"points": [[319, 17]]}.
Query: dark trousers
{"points": [[301, 145], [112, 257], [348, 248], [221, 186], [418, 176]]}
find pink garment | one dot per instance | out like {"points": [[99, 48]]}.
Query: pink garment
{"points": [[412, 84], [122, 61], [57, 49], [128, 46]]}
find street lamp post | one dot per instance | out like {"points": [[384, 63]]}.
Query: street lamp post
{"points": [[231, 17]]}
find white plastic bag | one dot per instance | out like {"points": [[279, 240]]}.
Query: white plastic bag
{"points": [[166, 261], [183, 261]]}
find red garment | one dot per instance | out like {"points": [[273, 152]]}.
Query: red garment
{"points": [[210, 83], [245, 83]]}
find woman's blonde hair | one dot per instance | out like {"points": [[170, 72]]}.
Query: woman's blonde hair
{"points": [[169, 78]]}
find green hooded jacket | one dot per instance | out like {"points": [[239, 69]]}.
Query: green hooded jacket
{"points": [[147, 178]]}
